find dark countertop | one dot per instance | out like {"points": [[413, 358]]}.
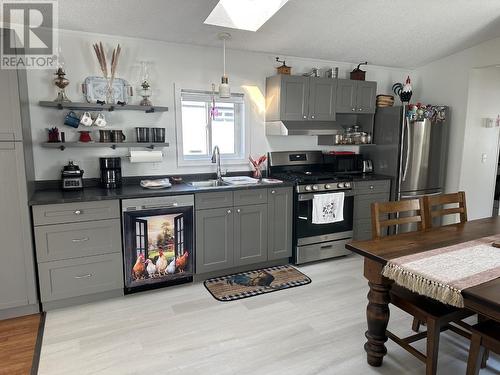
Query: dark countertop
{"points": [[134, 190], [88, 194]]}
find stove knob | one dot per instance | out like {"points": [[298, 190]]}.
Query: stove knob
{"points": [[340, 185], [308, 188], [315, 187], [328, 186], [347, 184]]}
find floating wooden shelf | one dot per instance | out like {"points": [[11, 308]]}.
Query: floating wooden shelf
{"points": [[62, 146], [101, 107]]}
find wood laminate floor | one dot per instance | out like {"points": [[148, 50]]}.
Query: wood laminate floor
{"points": [[314, 329], [18, 340]]}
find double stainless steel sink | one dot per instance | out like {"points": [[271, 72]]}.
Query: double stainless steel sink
{"points": [[225, 182]]}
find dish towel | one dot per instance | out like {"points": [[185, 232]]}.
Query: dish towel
{"points": [[328, 208]]}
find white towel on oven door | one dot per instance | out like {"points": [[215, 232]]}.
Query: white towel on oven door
{"points": [[328, 208]]}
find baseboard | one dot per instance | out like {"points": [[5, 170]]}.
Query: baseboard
{"points": [[15, 312], [47, 306]]}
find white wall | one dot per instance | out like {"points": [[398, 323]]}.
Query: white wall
{"points": [[187, 66], [447, 81], [478, 175]]}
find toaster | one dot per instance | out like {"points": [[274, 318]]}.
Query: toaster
{"points": [[367, 166]]}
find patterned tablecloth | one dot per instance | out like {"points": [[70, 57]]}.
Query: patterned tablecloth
{"points": [[443, 273]]}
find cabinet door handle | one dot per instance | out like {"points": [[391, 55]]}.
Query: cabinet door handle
{"points": [[83, 239], [360, 109], [228, 211], [312, 116], [273, 191], [353, 109], [238, 210], [305, 116], [84, 276], [77, 212], [372, 187]]}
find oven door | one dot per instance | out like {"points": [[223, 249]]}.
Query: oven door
{"points": [[158, 247], [309, 233]]}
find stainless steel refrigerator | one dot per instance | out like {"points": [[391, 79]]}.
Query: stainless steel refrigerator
{"points": [[412, 152]]}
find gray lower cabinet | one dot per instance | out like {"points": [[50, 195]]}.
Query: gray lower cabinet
{"points": [[367, 192], [77, 277], [256, 228], [214, 239], [78, 247], [250, 234], [280, 211]]}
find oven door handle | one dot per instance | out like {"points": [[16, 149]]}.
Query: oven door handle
{"points": [[158, 206], [310, 196]]}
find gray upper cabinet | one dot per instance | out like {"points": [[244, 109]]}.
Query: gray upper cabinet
{"points": [[294, 98], [299, 98], [366, 96], [322, 99], [279, 239], [346, 96], [214, 239], [356, 96]]}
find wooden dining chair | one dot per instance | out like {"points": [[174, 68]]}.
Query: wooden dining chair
{"points": [[435, 206], [436, 316], [438, 206], [485, 336], [396, 213]]}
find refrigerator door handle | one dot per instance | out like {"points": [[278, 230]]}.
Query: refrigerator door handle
{"points": [[420, 195], [408, 147]]}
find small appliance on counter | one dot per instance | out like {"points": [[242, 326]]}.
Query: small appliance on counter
{"points": [[72, 177], [367, 166], [111, 172]]}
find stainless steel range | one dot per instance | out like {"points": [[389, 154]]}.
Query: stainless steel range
{"points": [[312, 177]]}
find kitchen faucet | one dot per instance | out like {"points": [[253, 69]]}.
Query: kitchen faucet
{"points": [[216, 159]]}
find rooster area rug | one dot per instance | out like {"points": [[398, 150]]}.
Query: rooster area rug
{"points": [[252, 283]]}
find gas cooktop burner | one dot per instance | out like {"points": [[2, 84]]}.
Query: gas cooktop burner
{"points": [[312, 177], [308, 181]]}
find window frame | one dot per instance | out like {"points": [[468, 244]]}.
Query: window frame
{"points": [[242, 137]]}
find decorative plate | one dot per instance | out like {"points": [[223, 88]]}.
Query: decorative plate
{"points": [[94, 89]]}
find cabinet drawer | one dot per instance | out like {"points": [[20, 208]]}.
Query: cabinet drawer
{"points": [[77, 277], [372, 187], [76, 240], [74, 212], [213, 200], [251, 196], [363, 203]]}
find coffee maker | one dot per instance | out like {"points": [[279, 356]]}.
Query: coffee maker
{"points": [[111, 172]]}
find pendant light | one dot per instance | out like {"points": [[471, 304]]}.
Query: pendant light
{"points": [[224, 89]]}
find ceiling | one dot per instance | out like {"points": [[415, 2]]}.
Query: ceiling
{"points": [[403, 33]]}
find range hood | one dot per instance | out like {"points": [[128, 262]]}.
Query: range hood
{"points": [[302, 128]]}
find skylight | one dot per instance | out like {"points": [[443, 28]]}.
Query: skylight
{"points": [[243, 14]]}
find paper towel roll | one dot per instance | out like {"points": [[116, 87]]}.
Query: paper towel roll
{"points": [[145, 156]]}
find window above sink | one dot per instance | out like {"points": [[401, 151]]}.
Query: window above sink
{"points": [[198, 132]]}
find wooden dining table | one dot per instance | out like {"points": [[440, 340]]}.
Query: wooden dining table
{"points": [[483, 299]]}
